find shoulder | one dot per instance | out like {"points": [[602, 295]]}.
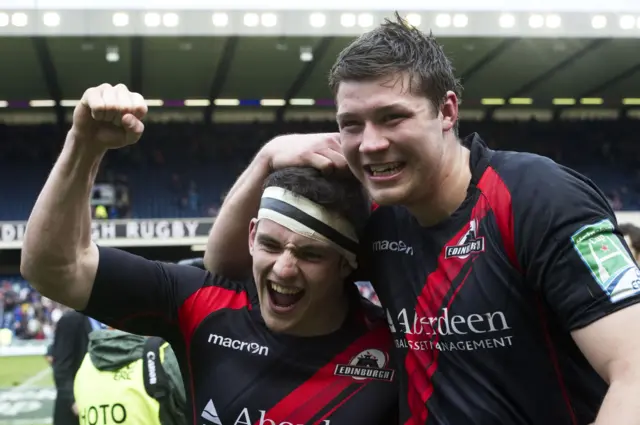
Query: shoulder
{"points": [[217, 295], [547, 204], [529, 175], [517, 169], [539, 188], [203, 290], [183, 272]]}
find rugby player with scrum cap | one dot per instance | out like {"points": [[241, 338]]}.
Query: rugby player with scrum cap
{"points": [[293, 343]]}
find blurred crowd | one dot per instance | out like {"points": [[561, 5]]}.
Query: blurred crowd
{"points": [[25, 312]]}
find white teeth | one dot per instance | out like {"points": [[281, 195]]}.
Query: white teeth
{"points": [[385, 169], [284, 290]]}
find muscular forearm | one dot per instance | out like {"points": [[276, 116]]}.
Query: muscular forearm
{"points": [[227, 250], [58, 232]]}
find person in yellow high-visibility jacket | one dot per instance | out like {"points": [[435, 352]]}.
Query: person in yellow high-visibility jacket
{"points": [[129, 379], [101, 212]]}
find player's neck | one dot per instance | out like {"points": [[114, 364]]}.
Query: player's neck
{"points": [[325, 321], [451, 191]]}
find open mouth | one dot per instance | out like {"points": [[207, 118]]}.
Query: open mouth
{"points": [[283, 298], [384, 170]]}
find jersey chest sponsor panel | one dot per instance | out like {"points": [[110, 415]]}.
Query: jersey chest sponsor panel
{"points": [[462, 309], [243, 374], [461, 303]]}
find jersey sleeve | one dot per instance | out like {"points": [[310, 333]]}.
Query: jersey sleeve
{"points": [[154, 298], [569, 246]]}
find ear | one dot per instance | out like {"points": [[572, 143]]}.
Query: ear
{"points": [[345, 268], [449, 111], [253, 228]]}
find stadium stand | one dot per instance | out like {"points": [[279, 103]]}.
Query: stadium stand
{"points": [[183, 170]]}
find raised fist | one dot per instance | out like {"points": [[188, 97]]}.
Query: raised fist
{"points": [[109, 117]]}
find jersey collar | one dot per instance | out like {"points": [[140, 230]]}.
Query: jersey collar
{"points": [[479, 158]]}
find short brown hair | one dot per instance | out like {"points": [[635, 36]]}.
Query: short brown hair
{"points": [[393, 48]]}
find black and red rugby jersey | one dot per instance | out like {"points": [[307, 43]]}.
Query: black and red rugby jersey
{"points": [[235, 370], [481, 306]]}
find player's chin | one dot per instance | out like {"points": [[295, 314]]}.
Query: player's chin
{"points": [[396, 195], [278, 324]]}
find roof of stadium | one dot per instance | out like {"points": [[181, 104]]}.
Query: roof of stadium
{"points": [[270, 68]]}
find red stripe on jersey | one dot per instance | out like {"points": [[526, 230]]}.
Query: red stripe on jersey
{"points": [[499, 197], [374, 206], [421, 364], [306, 401], [337, 406], [205, 301], [195, 309]]}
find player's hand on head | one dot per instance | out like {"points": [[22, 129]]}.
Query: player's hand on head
{"points": [[318, 150], [109, 117]]}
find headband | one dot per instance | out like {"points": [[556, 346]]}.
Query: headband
{"points": [[306, 218]]}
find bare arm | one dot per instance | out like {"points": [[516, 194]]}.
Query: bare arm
{"points": [[58, 257], [612, 347], [227, 250]]}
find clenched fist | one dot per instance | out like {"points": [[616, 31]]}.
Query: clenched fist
{"points": [[109, 117]]}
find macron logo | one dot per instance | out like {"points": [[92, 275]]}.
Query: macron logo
{"points": [[234, 344], [211, 414], [394, 246]]}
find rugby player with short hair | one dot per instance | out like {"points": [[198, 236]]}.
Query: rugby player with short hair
{"points": [[293, 343], [509, 289]]}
